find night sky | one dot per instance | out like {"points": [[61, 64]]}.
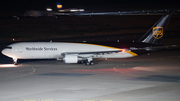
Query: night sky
{"points": [[24, 5]]}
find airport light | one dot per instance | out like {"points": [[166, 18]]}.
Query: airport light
{"points": [[49, 9], [73, 10], [81, 10], [59, 6]]}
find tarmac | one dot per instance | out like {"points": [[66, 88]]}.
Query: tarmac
{"points": [[149, 77]]}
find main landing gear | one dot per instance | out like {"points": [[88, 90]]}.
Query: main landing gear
{"points": [[88, 61]]}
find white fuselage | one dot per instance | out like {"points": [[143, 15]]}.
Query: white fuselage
{"points": [[50, 50]]}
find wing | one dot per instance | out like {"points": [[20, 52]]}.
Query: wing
{"points": [[90, 54]]}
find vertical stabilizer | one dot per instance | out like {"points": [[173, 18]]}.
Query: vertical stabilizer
{"points": [[155, 34]]}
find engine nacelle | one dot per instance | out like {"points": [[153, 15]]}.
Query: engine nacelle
{"points": [[70, 59]]}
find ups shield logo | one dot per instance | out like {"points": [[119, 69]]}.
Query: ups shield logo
{"points": [[157, 32]]}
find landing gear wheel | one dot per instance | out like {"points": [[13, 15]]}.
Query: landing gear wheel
{"points": [[91, 63], [87, 63], [82, 62]]}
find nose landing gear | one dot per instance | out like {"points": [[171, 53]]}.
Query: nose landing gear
{"points": [[15, 61]]}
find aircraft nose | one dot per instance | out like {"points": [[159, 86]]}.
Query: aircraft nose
{"points": [[4, 51]]}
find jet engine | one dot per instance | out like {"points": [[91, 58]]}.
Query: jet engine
{"points": [[70, 59]]}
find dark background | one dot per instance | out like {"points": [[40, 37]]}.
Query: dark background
{"points": [[50, 28], [47, 28], [23, 5]]}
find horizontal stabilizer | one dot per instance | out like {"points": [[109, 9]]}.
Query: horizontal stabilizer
{"points": [[152, 48]]}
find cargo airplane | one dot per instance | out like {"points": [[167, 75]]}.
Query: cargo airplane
{"points": [[85, 52]]}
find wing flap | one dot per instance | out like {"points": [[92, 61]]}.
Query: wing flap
{"points": [[95, 52]]}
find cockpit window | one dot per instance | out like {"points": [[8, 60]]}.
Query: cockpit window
{"points": [[8, 47]]}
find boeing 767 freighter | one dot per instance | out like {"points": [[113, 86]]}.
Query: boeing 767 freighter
{"points": [[85, 52]]}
